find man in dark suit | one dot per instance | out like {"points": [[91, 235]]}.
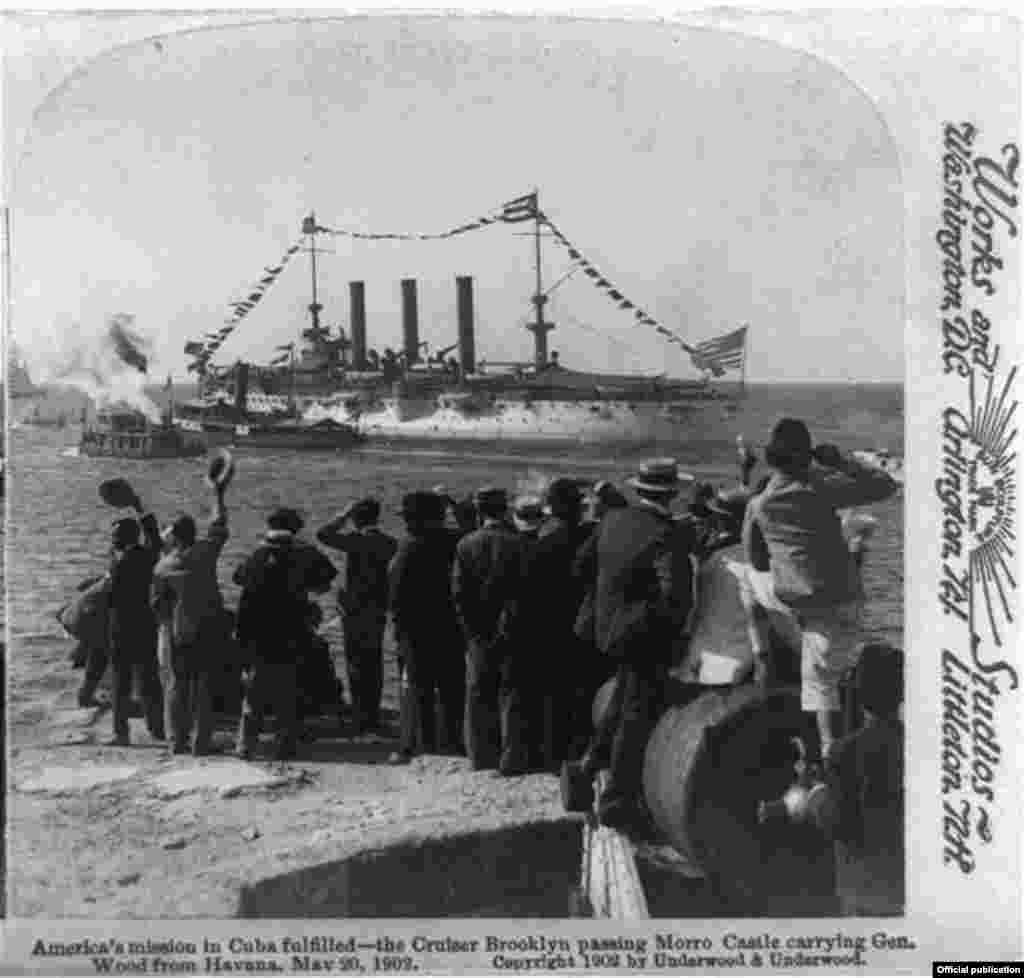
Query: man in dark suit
{"points": [[426, 629], [485, 582], [642, 602], [272, 629], [566, 693], [363, 602], [132, 627]]}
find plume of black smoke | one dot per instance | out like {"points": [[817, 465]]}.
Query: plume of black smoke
{"points": [[128, 344], [109, 368]]}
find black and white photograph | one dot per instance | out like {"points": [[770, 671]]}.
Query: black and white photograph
{"points": [[511, 493]]}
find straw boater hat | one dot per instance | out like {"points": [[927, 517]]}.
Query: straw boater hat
{"points": [[661, 475], [528, 513]]}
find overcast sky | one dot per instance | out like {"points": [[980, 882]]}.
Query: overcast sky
{"points": [[715, 179]]}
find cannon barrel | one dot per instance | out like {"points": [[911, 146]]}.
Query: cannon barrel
{"points": [[714, 755]]}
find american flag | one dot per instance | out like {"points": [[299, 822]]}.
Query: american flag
{"points": [[520, 209], [721, 353]]}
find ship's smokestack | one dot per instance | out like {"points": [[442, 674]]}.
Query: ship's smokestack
{"points": [[241, 384], [410, 321], [357, 310], [464, 304]]}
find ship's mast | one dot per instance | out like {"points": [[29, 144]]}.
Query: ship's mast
{"points": [[309, 227], [539, 327]]}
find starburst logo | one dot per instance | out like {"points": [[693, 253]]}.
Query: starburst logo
{"points": [[991, 503]]}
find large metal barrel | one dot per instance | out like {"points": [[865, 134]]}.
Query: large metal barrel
{"points": [[714, 754], [708, 764]]}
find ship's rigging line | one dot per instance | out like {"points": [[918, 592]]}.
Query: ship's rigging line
{"points": [[514, 211], [574, 321], [579, 324]]}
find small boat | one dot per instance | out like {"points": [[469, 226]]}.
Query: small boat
{"points": [[290, 433], [219, 421], [125, 433]]}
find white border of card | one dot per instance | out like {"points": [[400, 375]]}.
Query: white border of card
{"points": [[947, 86]]}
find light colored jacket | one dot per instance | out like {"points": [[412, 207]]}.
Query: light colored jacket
{"points": [[185, 592], [797, 521]]}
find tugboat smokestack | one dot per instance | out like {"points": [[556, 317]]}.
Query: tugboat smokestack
{"points": [[464, 304], [241, 384], [357, 308], [410, 321]]}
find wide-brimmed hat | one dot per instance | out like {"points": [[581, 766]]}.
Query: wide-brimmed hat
{"points": [[221, 471], [660, 475], [117, 492], [491, 495], [528, 513], [790, 442], [422, 507], [731, 503], [285, 518], [564, 492]]}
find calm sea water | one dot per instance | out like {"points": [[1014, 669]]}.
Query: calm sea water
{"points": [[58, 528]]}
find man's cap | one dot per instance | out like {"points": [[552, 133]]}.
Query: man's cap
{"points": [[367, 510], [285, 518], [183, 527], [660, 475], [527, 512], [117, 492]]}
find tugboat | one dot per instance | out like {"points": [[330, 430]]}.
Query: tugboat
{"points": [[221, 419], [334, 377], [122, 432]]}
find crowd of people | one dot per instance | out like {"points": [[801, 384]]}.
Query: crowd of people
{"points": [[509, 614]]}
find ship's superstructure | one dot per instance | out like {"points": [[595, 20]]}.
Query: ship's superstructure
{"points": [[337, 376]]}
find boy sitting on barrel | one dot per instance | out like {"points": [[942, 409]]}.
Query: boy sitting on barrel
{"points": [[859, 805]]}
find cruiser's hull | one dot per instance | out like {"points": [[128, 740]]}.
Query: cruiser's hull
{"points": [[543, 422]]}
